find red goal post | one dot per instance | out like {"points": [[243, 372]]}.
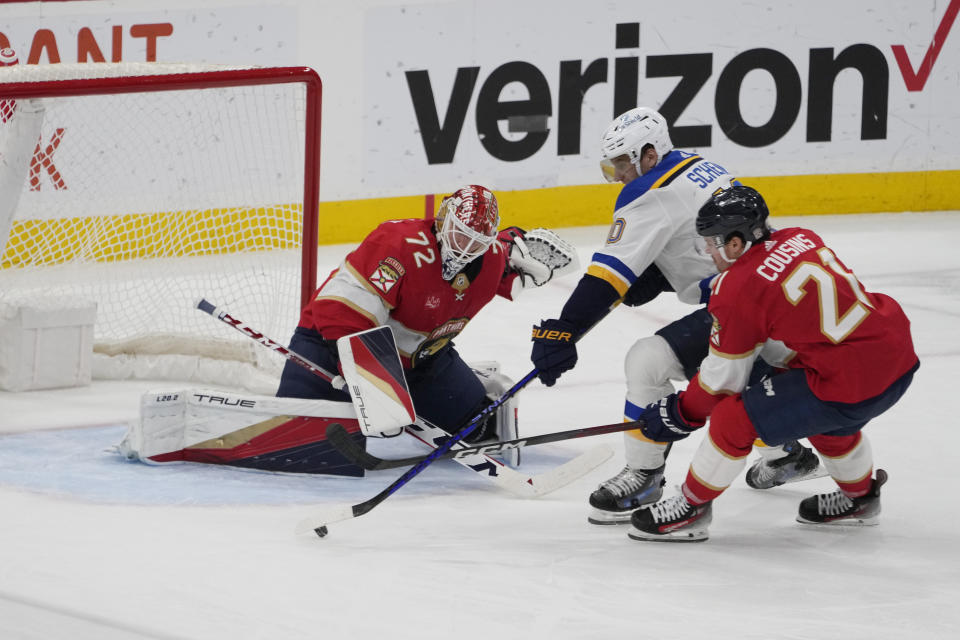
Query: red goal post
{"points": [[144, 186]]}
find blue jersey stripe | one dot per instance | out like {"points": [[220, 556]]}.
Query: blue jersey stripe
{"points": [[616, 265]]}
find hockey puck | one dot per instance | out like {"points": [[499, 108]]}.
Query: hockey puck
{"points": [[321, 530]]}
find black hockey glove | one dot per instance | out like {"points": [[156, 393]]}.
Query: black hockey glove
{"points": [[663, 421], [554, 350]]}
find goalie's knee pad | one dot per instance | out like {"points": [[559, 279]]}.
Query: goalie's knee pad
{"points": [[649, 367], [495, 384]]}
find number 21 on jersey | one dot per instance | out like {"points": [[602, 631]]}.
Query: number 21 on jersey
{"points": [[833, 325]]}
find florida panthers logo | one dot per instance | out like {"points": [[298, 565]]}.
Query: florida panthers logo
{"points": [[384, 277], [715, 333]]}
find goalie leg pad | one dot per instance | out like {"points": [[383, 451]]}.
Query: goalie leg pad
{"points": [[250, 431], [506, 426]]}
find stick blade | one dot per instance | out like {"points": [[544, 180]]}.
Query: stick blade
{"points": [[322, 517], [571, 470]]}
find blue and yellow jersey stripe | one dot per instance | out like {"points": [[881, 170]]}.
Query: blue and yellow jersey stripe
{"points": [[613, 271]]}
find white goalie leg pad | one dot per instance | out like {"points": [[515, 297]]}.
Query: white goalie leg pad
{"points": [[649, 367], [171, 421], [496, 384]]}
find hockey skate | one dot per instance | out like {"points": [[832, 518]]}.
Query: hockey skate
{"points": [[837, 509], [618, 497], [800, 463], [672, 520]]}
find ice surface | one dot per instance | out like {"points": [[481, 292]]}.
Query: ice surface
{"points": [[92, 546]]}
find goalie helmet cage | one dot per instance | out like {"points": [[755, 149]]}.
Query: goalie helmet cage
{"points": [[145, 186]]}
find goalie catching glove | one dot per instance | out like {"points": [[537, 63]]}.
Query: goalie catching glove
{"points": [[538, 255]]}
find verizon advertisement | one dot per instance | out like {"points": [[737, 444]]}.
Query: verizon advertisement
{"points": [[523, 90], [420, 97]]}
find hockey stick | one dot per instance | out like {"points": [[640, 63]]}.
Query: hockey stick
{"points": [[337, 436], [209, 308], [518, 483], [548, 481], [539, 485]]}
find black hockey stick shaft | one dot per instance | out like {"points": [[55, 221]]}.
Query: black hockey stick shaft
{"points": [[337, 436], [223, 316]]}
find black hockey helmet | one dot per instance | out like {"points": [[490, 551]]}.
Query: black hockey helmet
{"points": [[739, 210]]}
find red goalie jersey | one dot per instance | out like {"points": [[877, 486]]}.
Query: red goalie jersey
{"points": [[852, 344], [394, 278]]}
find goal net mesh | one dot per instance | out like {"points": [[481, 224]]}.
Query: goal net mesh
{"points": [[145, 200]]}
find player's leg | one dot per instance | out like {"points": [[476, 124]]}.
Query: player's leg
{"points": [[447, 392], [849, 460], [298, 382], [777, 465], [718, 461], [780, 410], [673, 353], [834, 429]]}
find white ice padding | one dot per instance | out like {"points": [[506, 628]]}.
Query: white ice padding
{"points": [[173, 420], [45, 343]]}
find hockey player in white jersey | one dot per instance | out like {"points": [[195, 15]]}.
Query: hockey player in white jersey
{"points": [[652, 247]]}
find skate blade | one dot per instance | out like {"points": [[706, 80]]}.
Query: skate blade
{"points": [[870, 521], [692, 535], [608, 517]]}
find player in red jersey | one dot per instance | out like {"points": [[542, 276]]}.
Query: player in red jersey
{"points": [[426, 279], [846, 353]]}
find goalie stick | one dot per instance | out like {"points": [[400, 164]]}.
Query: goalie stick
{"points": [[223, 316], [514, 481], [543, 483], [338, 436], [533, 486]]}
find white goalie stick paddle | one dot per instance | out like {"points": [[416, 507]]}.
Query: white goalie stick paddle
{"points": [[339, 437], [539, 485]]}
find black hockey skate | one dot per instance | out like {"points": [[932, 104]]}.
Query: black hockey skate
{"points": [[837, 509], [800, 463], [672, 520], [618, 497]]}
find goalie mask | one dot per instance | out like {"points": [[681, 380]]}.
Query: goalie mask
{"points": [[629, 134], [466, 226]]}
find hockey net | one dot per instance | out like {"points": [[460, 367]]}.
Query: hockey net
{"points": [[143, 187]]}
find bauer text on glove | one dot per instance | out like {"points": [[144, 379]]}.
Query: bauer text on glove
{"points": [[554, 350]]}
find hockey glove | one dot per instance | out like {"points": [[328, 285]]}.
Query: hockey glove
{"points": [[663, 422], [554, 350]]}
